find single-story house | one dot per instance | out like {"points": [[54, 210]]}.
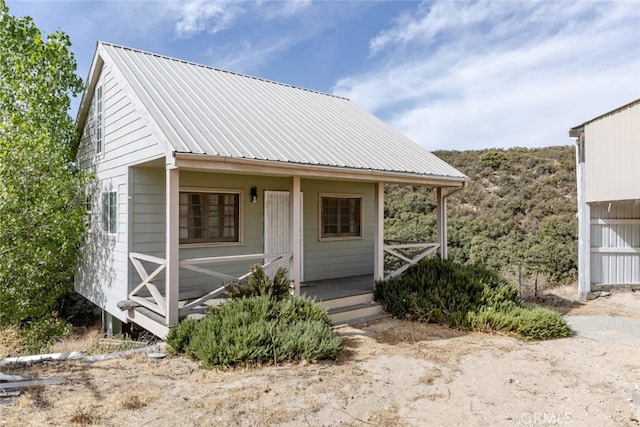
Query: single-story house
{"points": [[201, 173], [607, 156]]}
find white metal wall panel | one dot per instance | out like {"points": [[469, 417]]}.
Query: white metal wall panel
{"points": [[209, 111], [615, 242], [612, 150]]}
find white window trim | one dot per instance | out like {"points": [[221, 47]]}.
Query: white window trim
{"points": [[340, 196], [106, 212], [240, 194]]}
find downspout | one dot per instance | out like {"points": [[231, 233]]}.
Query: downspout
{"points": [[442, 218]]}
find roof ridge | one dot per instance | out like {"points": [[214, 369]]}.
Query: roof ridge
{"points": [[170, 58]]}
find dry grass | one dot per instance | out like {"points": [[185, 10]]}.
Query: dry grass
{"points": [[11, 342], [134, 402], [83, 417], [80, 339]]}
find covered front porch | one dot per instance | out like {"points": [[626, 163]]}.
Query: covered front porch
{"points": [[187, 278]]}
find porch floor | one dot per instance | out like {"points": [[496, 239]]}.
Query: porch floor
{"points": [[338, 288]]}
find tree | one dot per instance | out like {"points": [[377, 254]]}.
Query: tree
{"points": [[41, 202]]}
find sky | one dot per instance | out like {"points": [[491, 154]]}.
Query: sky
{"points": [[450, 75]]}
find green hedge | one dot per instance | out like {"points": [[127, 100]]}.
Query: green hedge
{"points": [[465, 297], [257, 330]]}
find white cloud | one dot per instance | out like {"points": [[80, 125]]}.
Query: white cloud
{"points": [[481, 74], [282, 8], [196, 16]]}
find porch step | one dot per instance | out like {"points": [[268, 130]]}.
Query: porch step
{"points": [[364, 298], [353, 309]]}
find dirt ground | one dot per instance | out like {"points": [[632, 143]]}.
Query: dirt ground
{"points": [[392, 373]]}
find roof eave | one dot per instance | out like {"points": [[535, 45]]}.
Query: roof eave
{"points": [[278, 168], [576, 131], [87, 94]]}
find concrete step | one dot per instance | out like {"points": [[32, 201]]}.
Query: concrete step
{"points": [[335, 303], [357, 313]]}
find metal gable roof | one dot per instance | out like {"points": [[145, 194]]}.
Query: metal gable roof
{"points": [[204, 110]]}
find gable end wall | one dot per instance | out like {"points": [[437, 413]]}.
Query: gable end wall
{"points": [[612, 153], [104, 269]]}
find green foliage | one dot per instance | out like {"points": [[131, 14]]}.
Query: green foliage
{"points": [[259, 283], [517, 212], [42, 332], [492, 159], [465, 297], [257, 330], [528, 323], [41, 207]]}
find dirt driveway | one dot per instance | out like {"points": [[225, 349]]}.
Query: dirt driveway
{"points": [[392, 373]]}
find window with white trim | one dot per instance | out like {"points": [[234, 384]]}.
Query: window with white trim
{"points": [[209, 217], [340, 216], [110, 212], [98, 122], [88, 203]]}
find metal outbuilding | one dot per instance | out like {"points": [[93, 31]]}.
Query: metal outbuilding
{"points": [[608, 173]]}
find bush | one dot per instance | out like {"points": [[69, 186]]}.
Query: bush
{"points": [[465, 297], [254, 330], [259, 283], [528, 323]]}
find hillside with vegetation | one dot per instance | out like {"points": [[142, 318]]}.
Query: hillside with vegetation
{"points": [[517, 215]]}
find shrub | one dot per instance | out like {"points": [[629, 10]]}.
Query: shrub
{"points": [[254, 330], [465, 297], [259, 283], [528, 323]]}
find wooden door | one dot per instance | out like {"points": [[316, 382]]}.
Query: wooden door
{"points": [[277, 226]]}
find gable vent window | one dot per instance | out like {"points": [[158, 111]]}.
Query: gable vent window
{"points": [[99, 123], [209, 217], [340, 216]]}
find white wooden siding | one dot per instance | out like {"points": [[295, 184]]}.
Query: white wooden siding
{"points": [[104, 269], [615, 242], [612, 151]]}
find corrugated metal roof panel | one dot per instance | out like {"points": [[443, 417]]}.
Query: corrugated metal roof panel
{"points": [[209, 111]]}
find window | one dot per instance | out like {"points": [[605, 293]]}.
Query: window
{"points": [[98, 110], [88, 208], [340, 216], [109, 212], [209, 217]]}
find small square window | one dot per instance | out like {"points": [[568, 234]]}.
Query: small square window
{"points": [[209, 217], [340, 216]]}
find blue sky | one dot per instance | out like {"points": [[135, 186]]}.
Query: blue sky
{"points": [[451, 75]]}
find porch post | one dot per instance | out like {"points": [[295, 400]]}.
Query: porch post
{"points": [[296, 222], [378, 232], [441, 220], [172, 242], [584, 225]]}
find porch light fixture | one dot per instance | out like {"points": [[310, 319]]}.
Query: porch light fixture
{"points": [[254, 194]]}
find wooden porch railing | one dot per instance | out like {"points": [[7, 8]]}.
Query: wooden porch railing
{"points": [[406, 253], [158, 304]]}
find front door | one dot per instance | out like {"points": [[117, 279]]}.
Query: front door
{"points": [[277, 226]]}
